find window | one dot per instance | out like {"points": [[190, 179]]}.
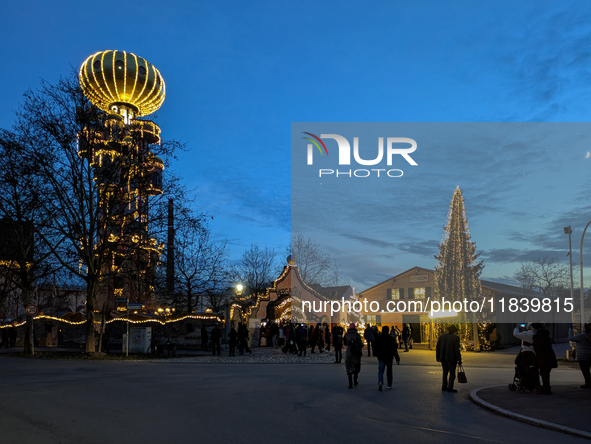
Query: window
{"points": [[419, 293], [393, 293]]}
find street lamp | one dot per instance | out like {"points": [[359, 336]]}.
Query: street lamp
{"points": [[582, 297]]}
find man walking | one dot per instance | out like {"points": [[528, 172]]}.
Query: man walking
{"points": [[405, 336], [243, 339], [204, 337], [302, 339], [216, 337], [448, 353], [337, 342], [385, 348], [370, 337]]}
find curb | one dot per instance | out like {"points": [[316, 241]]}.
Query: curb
{"points": [[526, 419]]}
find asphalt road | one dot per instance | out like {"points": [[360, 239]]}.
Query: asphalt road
{"points": [[71, 401]]}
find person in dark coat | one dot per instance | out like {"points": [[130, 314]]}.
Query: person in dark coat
{"points": [[12, 334], [233, 341], [385, 350], [369, 334], [353, 354], [448, 353], [302, 335], [327, 336], [204, 337], [405, 336], [216, 338], [243, 339], [395, 333], [315, 338], [337, 342], [583, 341], [545, 356], [5, 341]]}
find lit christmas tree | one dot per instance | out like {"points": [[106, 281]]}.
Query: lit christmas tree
{"points": [[457, 274]]}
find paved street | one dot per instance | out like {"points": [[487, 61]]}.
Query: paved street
{"points": [[188, 400]]}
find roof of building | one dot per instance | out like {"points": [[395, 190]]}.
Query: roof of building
{"points": [[503, 288]]}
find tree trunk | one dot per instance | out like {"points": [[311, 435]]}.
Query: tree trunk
{"points": [[103, 323], [90, 347], [29, 344]]}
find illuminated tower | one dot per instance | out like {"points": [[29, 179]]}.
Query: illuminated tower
{"points": [[119, 148]]}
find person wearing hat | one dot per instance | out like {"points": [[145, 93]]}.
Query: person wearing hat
{"points": [[448, 353], [353, 354], [545, 356]]}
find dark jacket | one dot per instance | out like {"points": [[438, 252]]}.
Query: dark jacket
{"points": [[448, 348], [352, 362], [243, 332], [302, 333], [545, 356], [233, 337], [385, 347], [369, 334], [405, 332], [337, 336], [216, 334]]}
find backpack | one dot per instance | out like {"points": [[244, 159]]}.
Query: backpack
{"points": [[356, 349]]}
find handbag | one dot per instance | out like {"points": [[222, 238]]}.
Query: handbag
{"points": [[462, 379]]}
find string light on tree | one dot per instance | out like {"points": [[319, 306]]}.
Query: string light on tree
{"points": [[457, 274]]}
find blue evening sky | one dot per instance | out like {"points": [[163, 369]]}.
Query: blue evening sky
{"points": [[239, 73]]}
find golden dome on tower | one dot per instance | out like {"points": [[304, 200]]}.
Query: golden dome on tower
{"points": [[110, 79]]}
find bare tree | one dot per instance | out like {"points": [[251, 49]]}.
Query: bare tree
{"points": [[256, 270], [544, 274], [24, 258], [200, 262], [315, 266], [91, 165], [337, 278]]}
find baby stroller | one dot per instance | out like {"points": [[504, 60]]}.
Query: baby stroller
{"points": [[526, 373]]}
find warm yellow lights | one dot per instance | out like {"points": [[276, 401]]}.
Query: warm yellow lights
{"points": [[198, 317], [121, 82]]}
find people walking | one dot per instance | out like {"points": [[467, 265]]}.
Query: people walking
{"points": [[448, 353], [281, 338], [583, 341], [337, 342], [204, 337], [216, 338], [243, 339], [327, 336], [232, 341], [385, 350], [545, 356], [369, 335], [292, 340], [302, 333], [353, 354], [405, 336], [5, 340], [315, 338], [395, 334], [320, 341]]}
